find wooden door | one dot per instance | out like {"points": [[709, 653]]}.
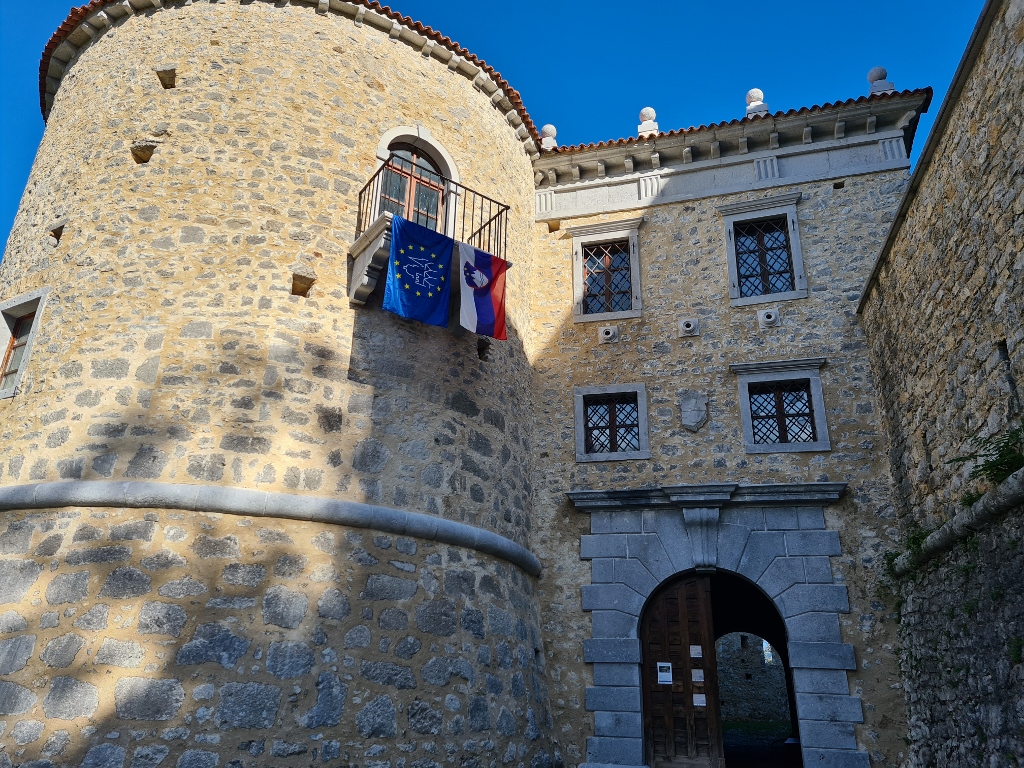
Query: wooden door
{"points": [[682, 719]]}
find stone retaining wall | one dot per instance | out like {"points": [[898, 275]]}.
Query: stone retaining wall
{"points": [[172, 638]]}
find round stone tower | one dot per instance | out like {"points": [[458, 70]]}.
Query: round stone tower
{"points": [[250, 518]]}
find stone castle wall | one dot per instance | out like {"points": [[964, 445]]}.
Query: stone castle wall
{"points": [[945, 321], [751, 689], [178, 638], [684, 274]]}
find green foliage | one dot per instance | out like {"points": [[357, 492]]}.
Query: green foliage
{"points": [[997, 595], [916, 534], [1016, 650], [971, 608], [970, 497], [997, 457]]}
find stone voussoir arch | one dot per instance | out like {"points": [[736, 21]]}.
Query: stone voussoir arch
{"points": [[775, 537]]}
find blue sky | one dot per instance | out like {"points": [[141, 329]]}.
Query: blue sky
{"points": [[589, 67]]}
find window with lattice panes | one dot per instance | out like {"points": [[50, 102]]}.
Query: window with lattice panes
{"points": [[612, 423], [606, 277], [782, 412], [764, 262]]}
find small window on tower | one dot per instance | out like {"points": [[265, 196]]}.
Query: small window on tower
{"points": [[606, 270], [20, 323], [611, 423]]}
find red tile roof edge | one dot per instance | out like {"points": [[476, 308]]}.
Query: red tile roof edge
{"points": [[77, 15], [927, 92]]}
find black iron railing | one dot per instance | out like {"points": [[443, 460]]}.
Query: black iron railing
{"points": [[414, 192]]}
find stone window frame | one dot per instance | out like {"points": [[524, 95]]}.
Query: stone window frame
{"points": [[807, 368], [605, 232], [579, 393], [11, 311], [774, 207]]}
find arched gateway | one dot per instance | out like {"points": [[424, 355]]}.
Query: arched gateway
{"points": [[659, 556]]}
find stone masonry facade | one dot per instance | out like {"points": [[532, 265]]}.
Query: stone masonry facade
{"points": [[243, 526], [945, 321]]}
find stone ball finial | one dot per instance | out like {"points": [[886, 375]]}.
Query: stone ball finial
{"points": [[548, 131], [647, 114], [877, 73], [754, 96]]}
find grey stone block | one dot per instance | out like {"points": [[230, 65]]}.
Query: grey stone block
{"points": [[15, 653], [68, 698], [627, 521], [231, 603], [60, 652], [732, 540], [620, 651], [16, 539], [162, 619], [289, 659], [377, 719], [808, 598], [49, 620], [783, 573], [821, 681], [817, 570], [120, 653], [287, 748], [424, 719], [506, 723], [821, 655], [333, 604], [386, 673], [607, 749], [104, 756], [817, 733], [635, 575], [781, 518], [243, 574], [12, 621], [616, 674], [49, 546], [98, 555], [162, 560], [611, 597], [94, 619], [212, 642], [68, 588], [437, 617], [622, 724], [144, 698], [499, 621], [14, 699], [813, 543], [149, 756], [602, 570], [358, 637], [331, 693], [186, 587], [27, 731], [602, 545], [198, 758], [478, 714], [207, 546], [814, 628], [283, 607], [125, 582], [137, 530], [664, 553], [811, 518], [823, 706], [383, 587], [613, 624], [16, 576], [248, 705], [762, 548], [744, 517], [836, 758], [613, 699]]}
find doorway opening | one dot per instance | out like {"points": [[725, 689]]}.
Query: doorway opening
{"points": [[688, 691]]}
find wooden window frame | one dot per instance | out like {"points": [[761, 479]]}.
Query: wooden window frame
{"points": [[13, 312], [414, 181]]}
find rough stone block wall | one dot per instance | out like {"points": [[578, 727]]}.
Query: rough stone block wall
{"points": [[683, 273], [945, 321], [173, 638], [750, 687]]}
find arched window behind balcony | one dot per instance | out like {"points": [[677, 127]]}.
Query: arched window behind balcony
{"points": [[413, 186]]}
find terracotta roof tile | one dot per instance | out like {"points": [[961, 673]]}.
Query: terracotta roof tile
{"points": [[927, 92], [77, 15]]}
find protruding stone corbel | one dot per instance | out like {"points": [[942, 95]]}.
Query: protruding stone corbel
{"points": [[370, 254], [538, 177], [773, 140], [453, 62], [629, 163], [870, 126], [702, 529], [655, 160], [716, 150], [323, 6], [687, 155], [396, 30], [840, 129], [808, 135], [600, 169], [743, 145], [427, 48], [359, 16], [575, 170], [552, 176]]}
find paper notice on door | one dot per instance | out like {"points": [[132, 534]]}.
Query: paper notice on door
{"points": [[700, 700], [665, 672], [697, 675], [696, 652]]}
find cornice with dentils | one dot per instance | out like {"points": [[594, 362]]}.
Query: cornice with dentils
{"points": [[99, 15]]}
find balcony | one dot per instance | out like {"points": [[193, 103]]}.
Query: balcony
{"points": [[407, 189]]}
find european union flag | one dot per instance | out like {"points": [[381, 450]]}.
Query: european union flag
{"points": [[418, 286]]}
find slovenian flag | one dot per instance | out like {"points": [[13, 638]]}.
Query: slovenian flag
{"points": [[483, 292], [417, 286]]}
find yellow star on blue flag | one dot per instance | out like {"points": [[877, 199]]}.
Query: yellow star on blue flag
{"points": [[416, 287]]}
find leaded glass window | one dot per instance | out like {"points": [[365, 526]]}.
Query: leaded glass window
{"points": [[606, 277], [611, 423], [764, 263], [781, 412], [413, 187]]}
